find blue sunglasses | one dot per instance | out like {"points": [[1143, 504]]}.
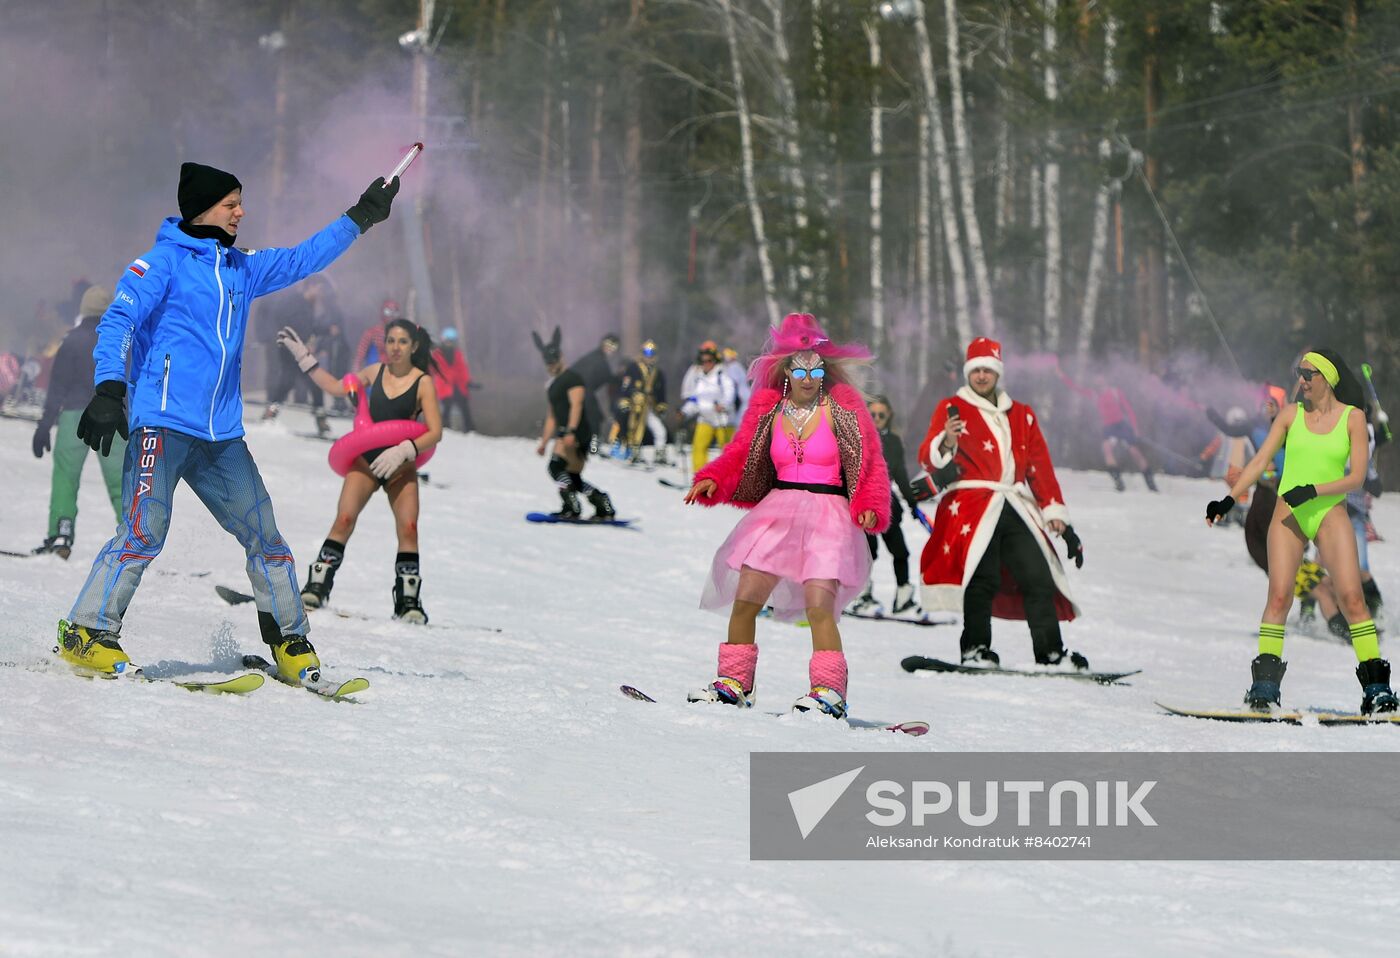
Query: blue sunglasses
{"points": [[799, 373]]}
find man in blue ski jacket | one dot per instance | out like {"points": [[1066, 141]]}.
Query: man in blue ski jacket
{"points": [[168, 361]]}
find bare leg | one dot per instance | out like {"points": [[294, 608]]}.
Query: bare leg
{"points": [[1285, 545], [355, 492], [820, 597], [749, 600], [1337, 542], [403, 500]]}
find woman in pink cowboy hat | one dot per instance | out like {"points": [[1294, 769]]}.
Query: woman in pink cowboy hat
{"points": [[808, 464]]}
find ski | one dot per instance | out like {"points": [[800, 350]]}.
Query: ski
{"points": [[908, 728], [20, 555], [325, 689], [1235, 715], [237, 685], [920, 663], [924, 620], [549, 517]]}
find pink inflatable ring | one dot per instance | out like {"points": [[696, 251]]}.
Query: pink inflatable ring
{"points": [[368, 434]]}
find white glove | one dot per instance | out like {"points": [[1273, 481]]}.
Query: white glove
{"points": [[388, 462], [291, 342], [690, 409]]}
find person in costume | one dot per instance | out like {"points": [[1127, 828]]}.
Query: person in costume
{"points": [[1325, 433], [1119, 422], [807, 464], [990, 552], [568, 427], [882, 414], [708, 398], [400, 387], [70, 386], [642, 404], [178, 324]]}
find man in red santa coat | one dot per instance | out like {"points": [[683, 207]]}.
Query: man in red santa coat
{"points": [[990, 552]]}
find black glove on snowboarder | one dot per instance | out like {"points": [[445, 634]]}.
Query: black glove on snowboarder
{"points": [[1219, 509], [1298, 495], [1074, 549], [41, 441], [104, 415], [374, 204]]}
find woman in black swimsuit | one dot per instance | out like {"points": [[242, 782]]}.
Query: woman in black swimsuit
{"points": [[399, 389]]}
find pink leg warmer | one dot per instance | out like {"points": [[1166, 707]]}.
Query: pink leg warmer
{"points": [[738, 662], [829, 669]]}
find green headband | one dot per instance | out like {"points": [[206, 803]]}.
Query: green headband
{"points": [[1324, 366]]}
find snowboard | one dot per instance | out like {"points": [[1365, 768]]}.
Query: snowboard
{"points": [[234, 597], [925, 619], [673, 484], [920, 663], [325, 688], [1342, 717], [1236, 715], [549, 517], [908, 728]]}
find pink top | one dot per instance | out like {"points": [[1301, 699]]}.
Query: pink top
{"points": [[815, 460]]}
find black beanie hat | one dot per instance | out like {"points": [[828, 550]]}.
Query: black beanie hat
{"points": [[201, 187]]}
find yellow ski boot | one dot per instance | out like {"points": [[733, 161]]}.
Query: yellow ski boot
{"points": [[296, 660], [91, 650]]}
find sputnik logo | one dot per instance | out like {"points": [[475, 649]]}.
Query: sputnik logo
{"points": [[810, 804]]}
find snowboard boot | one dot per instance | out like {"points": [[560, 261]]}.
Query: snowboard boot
{"points": [[822, 700], [319, 582], [1307, 611], [61, 543], [571, 508], [323, 423], [724, 690], [981, 657], [1267, 671], [1147, 478], [407, 607], [93, 650], [1064, 660], [904, 600], [734, 684], [1117, 478], [1376, 694], [270, 413], [603, 510], [295, 658], [865, 603]]}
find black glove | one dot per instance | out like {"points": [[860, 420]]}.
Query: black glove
{"points": [[1298, 495], [1219, 509], [104, 415], [41, 440], [1074, 549], [945, 476], [374, 204]]}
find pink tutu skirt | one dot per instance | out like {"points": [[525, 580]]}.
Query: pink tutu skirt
{"points": [[797, 536]]}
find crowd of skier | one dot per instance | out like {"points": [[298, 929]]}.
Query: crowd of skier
{"points": [[148, 377]]}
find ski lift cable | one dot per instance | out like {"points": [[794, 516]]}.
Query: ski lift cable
{"points": [[1136, 158]]}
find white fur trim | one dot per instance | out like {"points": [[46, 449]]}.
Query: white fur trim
{"points": [[984, 362], [1056, 510]]}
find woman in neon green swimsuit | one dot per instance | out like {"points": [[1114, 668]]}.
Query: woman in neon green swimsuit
{"points": [[1322, 435]]}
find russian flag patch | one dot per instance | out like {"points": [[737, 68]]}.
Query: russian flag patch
{"points": [[139, 267]]}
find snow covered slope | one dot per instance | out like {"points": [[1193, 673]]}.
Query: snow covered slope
{"points": [[494, 794]]}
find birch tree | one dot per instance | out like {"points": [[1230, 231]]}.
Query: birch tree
{"points": [[1054, 257], [1102, 199], [877, 152], [962, 147], [746, 155]]}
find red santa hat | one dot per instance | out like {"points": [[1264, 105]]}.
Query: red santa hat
{"points": [[983, 353]]}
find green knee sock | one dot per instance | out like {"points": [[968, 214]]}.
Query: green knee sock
{"points": [[1364, 641], [1270, 639]]}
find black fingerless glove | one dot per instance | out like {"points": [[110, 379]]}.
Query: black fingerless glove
{"points": [[105, 414], [945, 476], [1074, 548], [374, 204], [1298, 495], [1219, 509]]}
